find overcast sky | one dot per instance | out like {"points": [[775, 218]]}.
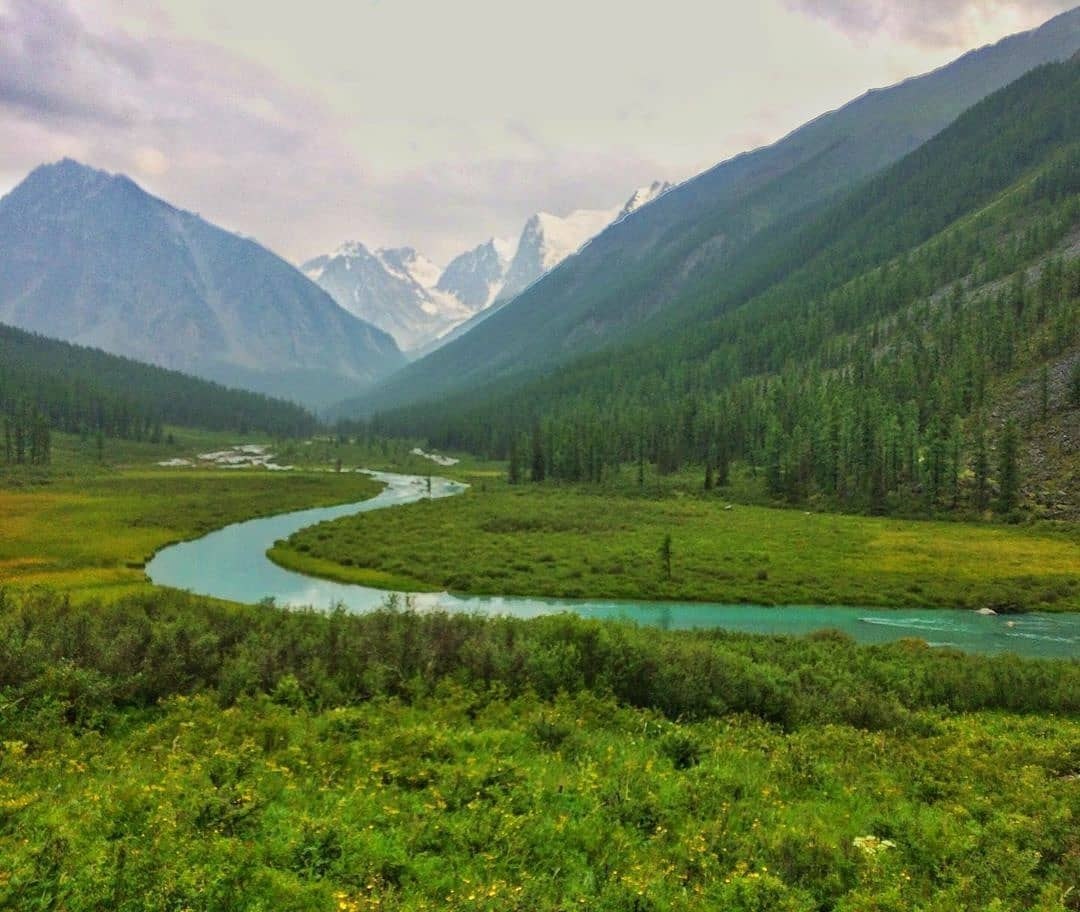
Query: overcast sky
{"points": [[439, 123]]}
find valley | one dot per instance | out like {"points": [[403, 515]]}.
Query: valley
{"points": [[713, 545]]}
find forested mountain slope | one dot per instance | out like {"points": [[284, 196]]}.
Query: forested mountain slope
{"points": [[91, 258], [862, 356], [46, 384], [656, 258]]}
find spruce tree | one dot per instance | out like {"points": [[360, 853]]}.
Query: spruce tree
{"points": [[1008, 470], [513, 475]]}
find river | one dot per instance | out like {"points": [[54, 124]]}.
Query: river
{"points": [[232, 564]]}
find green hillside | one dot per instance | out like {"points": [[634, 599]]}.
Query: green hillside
{"points": [[46, 385], [859, 355], [699, 232]]}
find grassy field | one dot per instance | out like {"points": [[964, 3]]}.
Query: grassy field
{"points": [[87, 526], [562, 542]]}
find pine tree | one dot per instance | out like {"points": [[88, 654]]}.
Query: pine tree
{"points": [[1008, 470], [539, 466], [513, 474], [981, 468]]}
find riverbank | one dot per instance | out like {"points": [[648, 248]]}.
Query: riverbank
{"points": [[567, 543]]}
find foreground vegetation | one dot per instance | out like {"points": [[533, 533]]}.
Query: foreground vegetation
{"points": [[166, 752], [89, 527], [565, 542]]}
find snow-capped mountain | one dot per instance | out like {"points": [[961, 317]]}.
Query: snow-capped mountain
{"points": [[643, 195], [393, 289], [549, 239], [421, 306], [476, 276]]}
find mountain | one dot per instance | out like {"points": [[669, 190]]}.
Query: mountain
{"points": [[476, 276], [642, 196], [393, 289], [422, 307], [547, 240], [665, 253], [911, 346], [91, 258]]}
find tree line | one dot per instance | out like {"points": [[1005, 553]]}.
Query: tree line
{"points": [[48, 385]]}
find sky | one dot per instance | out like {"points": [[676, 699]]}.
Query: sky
{"points": [[438, 124]]}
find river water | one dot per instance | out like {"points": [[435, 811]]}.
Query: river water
{"points": [[232, 564]]}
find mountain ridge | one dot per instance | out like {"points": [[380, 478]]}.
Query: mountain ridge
{"points": [[649, 259], [94, 257]]}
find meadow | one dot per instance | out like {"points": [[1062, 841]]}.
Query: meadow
{"points": [[163, 751], [87, 524], [579, 543]]}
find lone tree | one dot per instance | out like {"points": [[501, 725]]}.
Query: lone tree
{"points": [[665, 555], [539, 467]]}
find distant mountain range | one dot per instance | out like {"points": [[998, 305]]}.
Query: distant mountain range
{"points": [[91, 258], [419, 304]]}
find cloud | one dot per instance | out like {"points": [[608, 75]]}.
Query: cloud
{"points": [[205, 127], [223, 136], [929, 23]]}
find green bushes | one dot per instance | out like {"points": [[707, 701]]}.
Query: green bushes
{"points": [[169, 752], [77, 665]]}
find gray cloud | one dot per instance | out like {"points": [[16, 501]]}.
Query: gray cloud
{"points": [[930, 23]]}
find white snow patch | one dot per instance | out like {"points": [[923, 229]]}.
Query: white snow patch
{"points": [[435, 457]]}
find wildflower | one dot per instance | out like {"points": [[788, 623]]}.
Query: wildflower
{"points": [[872, 845]]}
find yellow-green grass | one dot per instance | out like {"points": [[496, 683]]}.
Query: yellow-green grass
{"points": [[88, 528], [562, 542]]}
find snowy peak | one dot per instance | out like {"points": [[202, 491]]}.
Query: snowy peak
{"points": [[644, 195], [549, 239], [476, 276], [406, 262], [390, 287]]}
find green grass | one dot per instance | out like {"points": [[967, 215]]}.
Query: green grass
{"points": [[87, 527], [563, 542]]}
